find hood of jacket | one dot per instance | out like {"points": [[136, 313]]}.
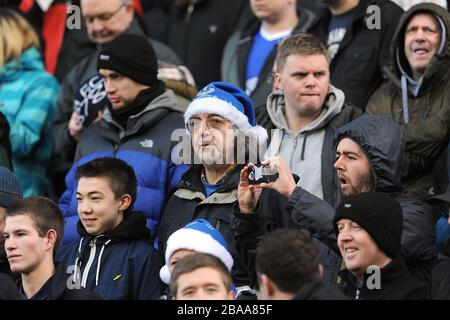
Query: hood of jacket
{"points": [[332, 106], [29, 60], [154, 112], [132, 228], [438, 64], [383, 141]]}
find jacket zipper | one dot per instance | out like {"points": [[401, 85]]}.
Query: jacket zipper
{"points": [[116, 148], [89, 263], [189, 11]]}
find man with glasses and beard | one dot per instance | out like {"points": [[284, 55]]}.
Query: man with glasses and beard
{"points": [[216, 118]]}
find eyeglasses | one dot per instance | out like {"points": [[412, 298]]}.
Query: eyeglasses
{"points": [[213, 122], [102, 17]]}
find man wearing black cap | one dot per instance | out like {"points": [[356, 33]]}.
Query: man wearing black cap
{"points": [[369, 228], [136, 127], [104, 21], [10, 192]]}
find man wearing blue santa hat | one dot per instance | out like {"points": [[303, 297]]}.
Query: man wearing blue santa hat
{"points": [[217, 122]]}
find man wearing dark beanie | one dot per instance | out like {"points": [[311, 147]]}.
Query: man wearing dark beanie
{"points": [[103, 21], [369, 229], [132, 56], [137, 126], [129, 56]]}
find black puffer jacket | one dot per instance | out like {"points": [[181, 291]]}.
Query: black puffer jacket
{"points": [[383, 141]]}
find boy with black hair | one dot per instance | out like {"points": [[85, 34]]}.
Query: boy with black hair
{"points": [[115, 256], [33, 231]]}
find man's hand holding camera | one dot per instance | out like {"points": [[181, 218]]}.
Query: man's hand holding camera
{"points": [[248, 193]]}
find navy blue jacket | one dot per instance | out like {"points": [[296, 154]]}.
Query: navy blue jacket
{"points": [[121, 264]]}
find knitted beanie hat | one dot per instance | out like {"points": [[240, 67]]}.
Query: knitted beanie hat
{"points": [[378, 214], [132, 56]]}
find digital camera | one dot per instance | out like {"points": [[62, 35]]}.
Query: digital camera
{"points": [[261, 173]]}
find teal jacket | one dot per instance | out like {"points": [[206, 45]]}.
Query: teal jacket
{"points": [[28, 100]]}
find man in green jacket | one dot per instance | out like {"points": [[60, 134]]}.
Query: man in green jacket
{"points": [[418, 93]]}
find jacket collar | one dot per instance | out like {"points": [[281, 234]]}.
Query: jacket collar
{"points": [[191, 179], [154, 112], [132, 228], [392, 272]]}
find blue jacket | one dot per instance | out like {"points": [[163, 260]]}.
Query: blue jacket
{"points": [[28, 100], [442, 231], [145, 145], [122, 264]]}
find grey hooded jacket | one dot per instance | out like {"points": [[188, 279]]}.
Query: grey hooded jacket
{"points": [[310, 152]]}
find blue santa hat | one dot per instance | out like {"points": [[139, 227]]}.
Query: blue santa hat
{"points": [[230, 102], [198, 236]]}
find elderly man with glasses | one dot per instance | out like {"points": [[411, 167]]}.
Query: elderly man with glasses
{"points": [[217, 121]]}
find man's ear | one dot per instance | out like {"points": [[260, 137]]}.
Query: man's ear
{"points": [[51, 238], [267, 285], [125, 202], [321, 270], [230, 295], [277, 80]]}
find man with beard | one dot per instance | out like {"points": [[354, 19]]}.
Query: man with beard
{"points": [[215, 119], [136, 127], [368, 159]]}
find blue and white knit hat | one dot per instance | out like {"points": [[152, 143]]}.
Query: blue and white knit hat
{"points": [[230, 102], [198, 236]]}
